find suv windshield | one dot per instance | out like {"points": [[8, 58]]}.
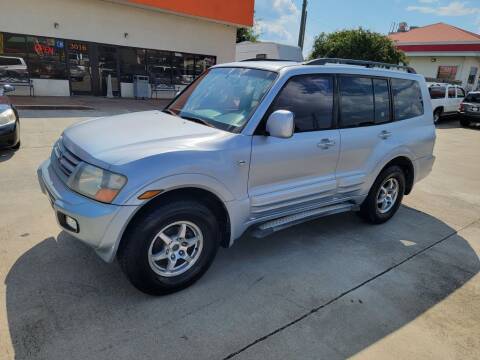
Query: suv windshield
{"points": [[224, 98], [473, 98]]}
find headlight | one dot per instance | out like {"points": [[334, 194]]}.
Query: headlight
{"points": [[96, 183], [7, 115]]}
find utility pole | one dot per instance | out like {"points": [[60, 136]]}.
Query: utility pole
{"points": [[303, 23]]}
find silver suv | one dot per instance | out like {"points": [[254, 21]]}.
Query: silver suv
{"points": [[255, 145]]}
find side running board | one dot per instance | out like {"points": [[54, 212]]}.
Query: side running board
{"points": [[272, 226]]}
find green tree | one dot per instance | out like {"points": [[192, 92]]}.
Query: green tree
{"points": [[357, 44], [247, 34]]}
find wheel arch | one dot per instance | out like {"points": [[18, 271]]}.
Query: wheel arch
{"points": [[408, 169], [191, 193]]}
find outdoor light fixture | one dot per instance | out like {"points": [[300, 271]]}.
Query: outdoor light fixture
{"points": [[125, 35], [56, 25]]}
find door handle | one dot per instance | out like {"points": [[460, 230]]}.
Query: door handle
{"points": [[385, 134], [325, 143]]}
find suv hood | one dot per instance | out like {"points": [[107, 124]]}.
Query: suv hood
{"points": [[120, 139]]}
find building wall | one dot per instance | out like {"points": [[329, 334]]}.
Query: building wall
{"points": [[107, 22], [424, 65], [248, 50]]}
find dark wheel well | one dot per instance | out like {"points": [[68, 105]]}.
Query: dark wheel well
{"points": [[203, 196], [437, 109], [407, 167]]}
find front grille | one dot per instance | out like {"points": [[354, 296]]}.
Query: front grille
{"points": [[66, 161]]}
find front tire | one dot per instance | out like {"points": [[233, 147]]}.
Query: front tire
{"points": [[465, 122], [385, 196], [170, 248]]}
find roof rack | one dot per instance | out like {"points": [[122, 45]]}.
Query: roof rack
{"points": [[259, 59], [368, 64]]}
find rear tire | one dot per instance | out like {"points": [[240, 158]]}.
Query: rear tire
{"points": [[158, 259], [436, 116], [385, 196]]}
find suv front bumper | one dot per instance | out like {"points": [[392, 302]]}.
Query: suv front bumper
{"points": [[100, 225]]}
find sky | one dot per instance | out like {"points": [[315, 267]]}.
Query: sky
{"points": [[278, 20]]}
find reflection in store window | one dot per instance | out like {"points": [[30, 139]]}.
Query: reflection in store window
{"points": [[13, 67], [132, 62], [202, 63], [183, 65], [46, 58], [159, 67]]}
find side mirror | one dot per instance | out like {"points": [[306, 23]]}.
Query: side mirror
{"points": [[8, 88], [281, 124]]}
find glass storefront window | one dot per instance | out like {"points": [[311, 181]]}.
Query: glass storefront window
{"points": [[183, 66], [159, 67], [26, 56], [46, 58], [132, 62], [13, 67], [202, 63]]}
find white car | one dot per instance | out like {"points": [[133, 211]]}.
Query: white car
{"points": [[13, 69], [446, 99]]}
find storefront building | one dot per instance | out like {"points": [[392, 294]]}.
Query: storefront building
{"points": [[69, 47], [442, 53]]}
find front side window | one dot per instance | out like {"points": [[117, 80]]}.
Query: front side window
{"points": [[356, 101], [224, 98], [310, 99], [460, 93], [407, 99], [437, 92]]}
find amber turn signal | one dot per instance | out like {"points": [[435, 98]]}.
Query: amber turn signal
{"points": [[149, 194]]}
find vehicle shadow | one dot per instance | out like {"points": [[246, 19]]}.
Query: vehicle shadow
{"points": [[6, 155], [61, 299]]}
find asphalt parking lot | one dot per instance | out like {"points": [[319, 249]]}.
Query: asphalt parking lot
{"points": [[330, 289]]}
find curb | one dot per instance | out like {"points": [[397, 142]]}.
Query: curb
{"points": [[53, 107]]}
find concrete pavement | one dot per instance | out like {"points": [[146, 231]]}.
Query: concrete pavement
{"points": [[330, 289]]}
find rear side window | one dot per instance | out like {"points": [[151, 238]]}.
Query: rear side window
{"points": [[356, 101], [451, 93], [437, 92], [407, 99], [310, 99], [382, 100], [9, 61]]}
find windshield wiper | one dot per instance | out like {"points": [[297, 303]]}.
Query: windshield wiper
{"points": [[168, 111], [197, 120]]}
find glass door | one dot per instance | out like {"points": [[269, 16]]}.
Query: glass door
{"points": [[80, 70], [108, 65]]}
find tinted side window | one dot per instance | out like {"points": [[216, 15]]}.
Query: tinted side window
{"points": [[9, 61], [451, 92], [356, 101], [437, 92], [407, 99], [310, 99], [382, 100], [460, 93]]}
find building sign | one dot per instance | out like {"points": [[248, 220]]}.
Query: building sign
{"points": [[78, 47], [239, 12]]}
